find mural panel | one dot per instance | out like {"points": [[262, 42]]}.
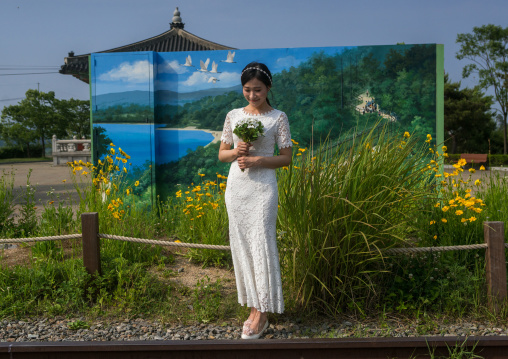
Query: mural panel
{"points": [[324, 91]]}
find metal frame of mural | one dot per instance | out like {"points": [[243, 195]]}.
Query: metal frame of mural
{"points": [[174, 135]]}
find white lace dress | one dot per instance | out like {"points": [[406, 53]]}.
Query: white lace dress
{"points": [[252, 202]]}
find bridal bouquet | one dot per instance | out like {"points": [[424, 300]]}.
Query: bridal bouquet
{"points": [[249, 130]]}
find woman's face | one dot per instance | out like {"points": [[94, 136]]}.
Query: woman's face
{"points": [[255, 93]]}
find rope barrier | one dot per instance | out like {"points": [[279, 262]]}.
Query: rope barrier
{"points": [[436, 249], [164, 243], [40, 239], [227, 248]]}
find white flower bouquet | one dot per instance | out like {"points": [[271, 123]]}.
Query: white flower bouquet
{"points": [[249, 130]]}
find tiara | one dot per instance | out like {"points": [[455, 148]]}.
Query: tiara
{"points": [[257, 68]]}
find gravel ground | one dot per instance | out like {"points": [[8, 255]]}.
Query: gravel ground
{"points": [[59, 329]]}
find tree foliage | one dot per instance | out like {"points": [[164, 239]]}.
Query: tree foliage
{"points": [[487, 49], [41, 115], [469, 120]]}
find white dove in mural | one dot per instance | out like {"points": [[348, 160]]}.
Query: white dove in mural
{"points": [[214, 68], [231, 56], [213, 79], [188, 62], [204, 65]]}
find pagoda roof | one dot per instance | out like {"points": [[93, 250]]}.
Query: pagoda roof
{"points": [[176, 39]]}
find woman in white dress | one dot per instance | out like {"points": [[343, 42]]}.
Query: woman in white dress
{"points": [[252, 199]]}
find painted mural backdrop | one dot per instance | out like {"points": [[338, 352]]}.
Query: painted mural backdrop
{"points": [[167, 110]]}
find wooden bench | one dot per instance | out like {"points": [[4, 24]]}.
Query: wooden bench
{"points": [[474, 157]]}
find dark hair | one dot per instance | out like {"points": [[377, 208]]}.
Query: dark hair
{"points": [[259, 71]]}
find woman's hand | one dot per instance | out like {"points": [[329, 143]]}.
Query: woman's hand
{"points": [[242, 148], [247, 161]]}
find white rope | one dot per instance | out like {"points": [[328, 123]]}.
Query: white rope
{"points": [[164, 243], [40, 239]]}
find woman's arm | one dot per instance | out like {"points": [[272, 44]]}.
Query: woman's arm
{"points": [[283, 159], [226, 154]]}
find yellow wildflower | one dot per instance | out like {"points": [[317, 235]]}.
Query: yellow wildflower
{"points": [[472, 170], [444, 148], [472, 219], [432, 222], [125, 169], [477, 182], [462, 220], [459, 212], [445, 208], [64, 180], [437, 204], [444, 220], [406, 134], [112, 151], [482, 168], [201, 174], [136, 183], [435, 237], [302, 149]]}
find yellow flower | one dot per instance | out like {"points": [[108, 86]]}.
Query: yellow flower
{"points": [[445, 208], [222, 186], [189, 199], [112, 151], [459, 212], [437, 204], [178, 241], [125, 170], [432, 222], [64, 180], [136, 183], [51, 202], [444, 220], [124, 160], [477, 182], [438, 175], [472, 219], [302, 149], [108, 191], [285, 168], [472, 170], [294, 141], [482, 168], [406, 134], [296, 167], [201, 174], [128, 191], [111, 144], [462, 220], [435, 237], [444, 148], [462, 162]]}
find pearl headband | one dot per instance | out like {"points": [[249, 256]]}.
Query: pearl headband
{"points": [[257, 68]]}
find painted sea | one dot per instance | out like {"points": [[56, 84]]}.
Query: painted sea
{"points": [[135, 140]]}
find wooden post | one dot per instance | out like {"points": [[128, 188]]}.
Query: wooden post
{"points": [[91, 245], [495, 264]]}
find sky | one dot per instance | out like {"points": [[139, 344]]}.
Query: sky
{"points": [[38, 34]]}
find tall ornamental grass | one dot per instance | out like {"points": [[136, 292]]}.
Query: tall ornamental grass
{"points": [[339, 208], [197, 214]]}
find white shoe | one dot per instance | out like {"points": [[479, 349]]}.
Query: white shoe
{"points": [[252, 335]]}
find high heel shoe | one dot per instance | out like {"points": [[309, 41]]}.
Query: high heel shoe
{"points": [[252, 335]]}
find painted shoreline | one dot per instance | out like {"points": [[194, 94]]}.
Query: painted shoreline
{"points": [[216, 134]]}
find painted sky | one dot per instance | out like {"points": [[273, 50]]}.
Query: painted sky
{"points": [[133, 72], [41, 33]]}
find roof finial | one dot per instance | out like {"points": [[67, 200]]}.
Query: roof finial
{"points": [[177, 20]]}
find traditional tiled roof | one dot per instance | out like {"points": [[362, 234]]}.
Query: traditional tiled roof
{"points": [[176, 39]]}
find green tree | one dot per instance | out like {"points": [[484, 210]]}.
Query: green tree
{"points": [[36, 113], [15, 134], [469, 121], [75, 115], [487, 49]]}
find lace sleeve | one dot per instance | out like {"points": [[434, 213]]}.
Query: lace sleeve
{"points": [[227, 132], [283, 133]]}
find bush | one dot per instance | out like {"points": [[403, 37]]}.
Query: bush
{"points": [[20, 152]]}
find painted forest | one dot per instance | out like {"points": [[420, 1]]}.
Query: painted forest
{"points": [[322, 96]]}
